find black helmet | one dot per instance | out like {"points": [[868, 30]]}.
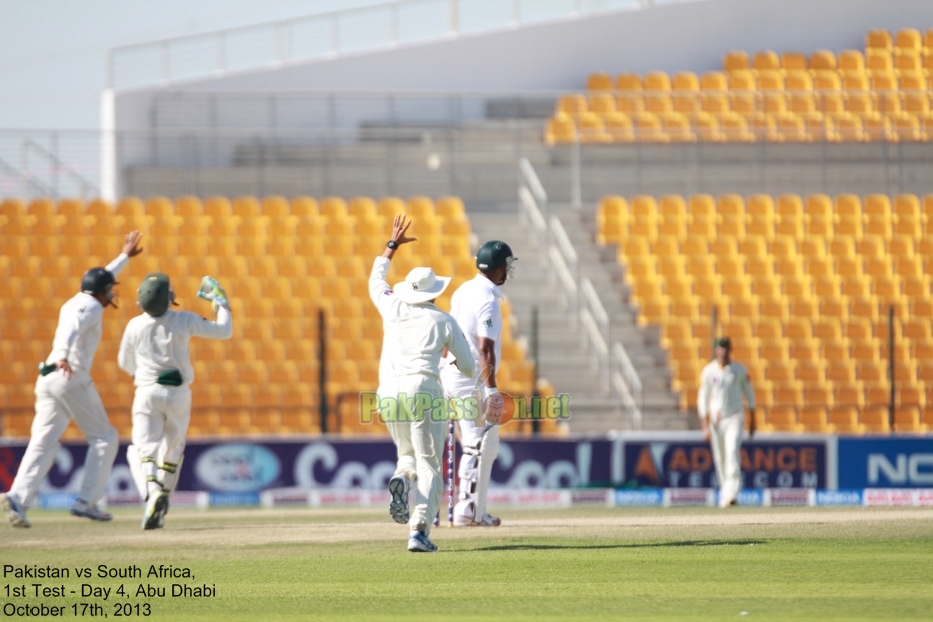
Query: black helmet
{"points": [[97, 281], [493, 254]]}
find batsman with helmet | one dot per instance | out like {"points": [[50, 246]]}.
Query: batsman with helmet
{"points": [[65, 391], [155, 352], [475, 306]]}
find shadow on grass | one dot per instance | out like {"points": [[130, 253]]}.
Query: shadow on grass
{"points": [[627, 545]]}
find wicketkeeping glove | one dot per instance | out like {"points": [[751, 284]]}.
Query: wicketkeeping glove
{"points": [[211, 290]]}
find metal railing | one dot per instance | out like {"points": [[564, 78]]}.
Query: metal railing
{"points": [[332, 35], [585, 309]]}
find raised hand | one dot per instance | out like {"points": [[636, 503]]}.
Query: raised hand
{"points": [[131, 246], [399, 230]]}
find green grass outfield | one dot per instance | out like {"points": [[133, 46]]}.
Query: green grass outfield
{"points": [[658, 564]]}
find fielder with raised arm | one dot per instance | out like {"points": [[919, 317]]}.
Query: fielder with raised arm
{"points": [[155, 352], [475, 306], [416, 334], [723, 382], [65, 391]]}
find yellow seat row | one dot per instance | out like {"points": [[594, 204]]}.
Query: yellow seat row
{"points": [[806, 311], [281, 262], [666, 127], [243, 207]]}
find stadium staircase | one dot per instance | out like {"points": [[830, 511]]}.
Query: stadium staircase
{"points": [[562, 357]]}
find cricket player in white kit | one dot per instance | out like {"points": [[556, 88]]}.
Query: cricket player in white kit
{"points": [[416, 333], [475, 306], [155, 352], [723, 383], [65, 391]]}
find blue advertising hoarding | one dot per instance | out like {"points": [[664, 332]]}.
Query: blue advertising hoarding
{"points": [[246, 466], [685, 462], [885, 462]]}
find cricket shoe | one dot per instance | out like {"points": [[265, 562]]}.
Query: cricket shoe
{"points": [[155, 510], [15, 513], [85, 510], [420, 543], [462, 520], [399, 486]]}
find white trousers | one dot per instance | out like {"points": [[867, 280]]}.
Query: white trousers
{"points": [[420, 447], [726, 439], [474, 471], [161, 415], [58, 401]]}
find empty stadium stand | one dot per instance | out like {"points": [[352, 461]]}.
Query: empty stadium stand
{"points": [[880, 93], [803, 285], [280, 260]]}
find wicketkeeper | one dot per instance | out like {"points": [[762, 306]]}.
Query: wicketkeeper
{"points": [[723, 382], [65, 391], [475, 306], [415, 335], [155, 352]]}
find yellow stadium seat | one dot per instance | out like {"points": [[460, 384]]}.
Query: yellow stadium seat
{"points": [[908, 38], [590, 128], [630, 102], [875, 420], [784, 419], [822, 60], [735, 60], [599, 82], [906, 126], [845, 420], [814, 419], [601, 103], [560, 129], [766, 60], [305, 207], [649, 129], [334, 209], [907, 420], [794, 61], [618, 127], [572, 104]]}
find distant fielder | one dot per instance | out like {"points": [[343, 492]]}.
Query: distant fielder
{"points": [[475, 306], [155, 352], [65, 391], [415, 335], [723, 382]]}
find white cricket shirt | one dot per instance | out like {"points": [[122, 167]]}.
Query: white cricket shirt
{"points": [[414, 336], [152, 345], [721, 390], [80, 326], [475, 306]]}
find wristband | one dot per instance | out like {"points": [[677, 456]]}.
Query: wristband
{"points": [[487, 391]]}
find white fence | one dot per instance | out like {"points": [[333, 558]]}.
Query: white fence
{"points": [[331, 35]]}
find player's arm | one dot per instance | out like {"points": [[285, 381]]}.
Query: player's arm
{"points": [[749, 392], [489, 316], [703, 405], [487, 359], [202, 327], [131, 248], [126, 358], [378, 286]]}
